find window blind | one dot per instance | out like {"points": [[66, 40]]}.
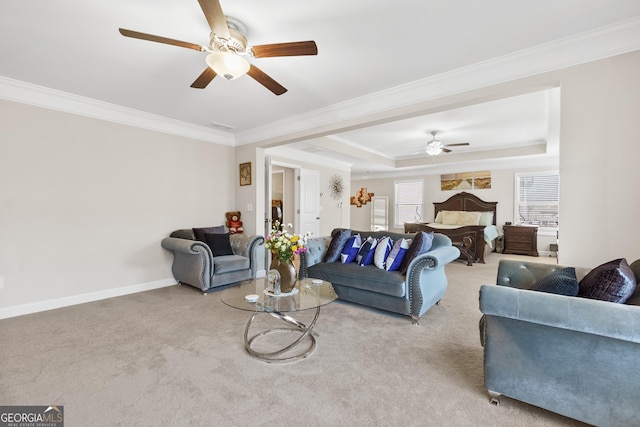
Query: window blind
{"points": [[538, 200], [408, 202]]}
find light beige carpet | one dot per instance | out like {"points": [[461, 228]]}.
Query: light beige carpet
{"points": [[174, 357]]}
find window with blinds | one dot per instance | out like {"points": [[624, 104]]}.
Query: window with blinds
{"points": [[537, 199], [408, 202]]}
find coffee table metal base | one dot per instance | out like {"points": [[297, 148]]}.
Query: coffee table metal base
{"points": [[289, 352]]}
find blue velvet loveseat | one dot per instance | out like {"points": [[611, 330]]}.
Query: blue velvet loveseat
{"points": [[575, 356], [412, 294]]}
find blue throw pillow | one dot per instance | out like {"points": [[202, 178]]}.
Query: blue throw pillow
{"points": [[561, 282], [337, 243], [383, 248], [367, 251], [397, 254], [421, 243], [350, 250]]}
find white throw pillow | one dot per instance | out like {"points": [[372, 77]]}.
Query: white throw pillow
{"points": [[382, 251]]}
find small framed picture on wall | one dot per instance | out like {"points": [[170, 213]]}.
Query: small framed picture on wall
{"points": [[245, 173]]}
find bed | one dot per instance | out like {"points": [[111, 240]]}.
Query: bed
{"points": [[468, 221]]}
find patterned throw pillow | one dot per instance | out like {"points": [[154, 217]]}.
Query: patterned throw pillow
{"points": [[335, 247], [367, 251], [382, 251], [350, 250], [397, 254], [613, 281], [421, 243], [561, 282]]}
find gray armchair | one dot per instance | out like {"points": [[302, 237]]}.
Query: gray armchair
{"points": [[194, 264]]}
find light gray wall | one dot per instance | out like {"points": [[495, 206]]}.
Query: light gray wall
{"points": [[84, 203], [599, 152]]}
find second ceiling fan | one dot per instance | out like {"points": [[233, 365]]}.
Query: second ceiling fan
{"points": [[435, 147], [228, 48]]}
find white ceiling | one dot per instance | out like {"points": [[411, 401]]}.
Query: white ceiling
{"points": [[370, 51]]}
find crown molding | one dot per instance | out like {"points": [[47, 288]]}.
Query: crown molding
{"points": [[40, 96], [603, 42]]}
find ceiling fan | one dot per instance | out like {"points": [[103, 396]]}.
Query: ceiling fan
{"points": [[435, 147], [228, 49]]}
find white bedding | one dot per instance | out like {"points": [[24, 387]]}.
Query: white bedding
{"points": [[490, 231]]}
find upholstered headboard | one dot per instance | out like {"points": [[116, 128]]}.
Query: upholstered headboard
{"points": [[464, 201]]}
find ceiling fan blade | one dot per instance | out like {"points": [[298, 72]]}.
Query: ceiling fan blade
{"points": [[285, 49], [158, 39], [258, 75], [215, 17], [204, 79], [459, 144], [446, 150]]}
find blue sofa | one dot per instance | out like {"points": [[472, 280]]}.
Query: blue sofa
{"points": [[574, 356], [412, 294]]}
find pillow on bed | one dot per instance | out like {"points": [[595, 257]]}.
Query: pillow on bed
{"points": [[460, 218], [486, 218], [450, 217], [438, 219]]}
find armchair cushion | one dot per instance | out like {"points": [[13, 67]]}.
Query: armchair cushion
{"points": [[613, 281], [219, 244]]}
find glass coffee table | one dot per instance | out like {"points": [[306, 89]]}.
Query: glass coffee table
{"points": [[307, 294]]}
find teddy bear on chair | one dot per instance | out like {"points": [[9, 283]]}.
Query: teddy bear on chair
{"points": [[233, 222]]}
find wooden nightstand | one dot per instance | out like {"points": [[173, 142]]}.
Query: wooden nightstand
{"points": [[522, 240]]}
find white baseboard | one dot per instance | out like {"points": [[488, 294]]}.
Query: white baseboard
{"points": [[19, 310]]}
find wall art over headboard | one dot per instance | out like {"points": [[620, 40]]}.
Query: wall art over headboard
{"points": [[479, 180]]}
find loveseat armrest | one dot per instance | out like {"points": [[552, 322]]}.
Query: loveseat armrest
{"points": [[523, 274], [608, 319]]}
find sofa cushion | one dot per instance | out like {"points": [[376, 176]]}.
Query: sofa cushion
{"points": [[420, 244], [336, 245], [219, 244], [200, 232], [368, 278], [561, 282], [350, 250], [382, 251], [397, 254], [613, 281]]}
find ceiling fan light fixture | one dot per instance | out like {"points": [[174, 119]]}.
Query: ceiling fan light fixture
{"points": [[227, 64], [433, 149]]}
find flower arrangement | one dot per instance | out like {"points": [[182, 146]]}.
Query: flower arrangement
{"points": [[284, 245]]}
